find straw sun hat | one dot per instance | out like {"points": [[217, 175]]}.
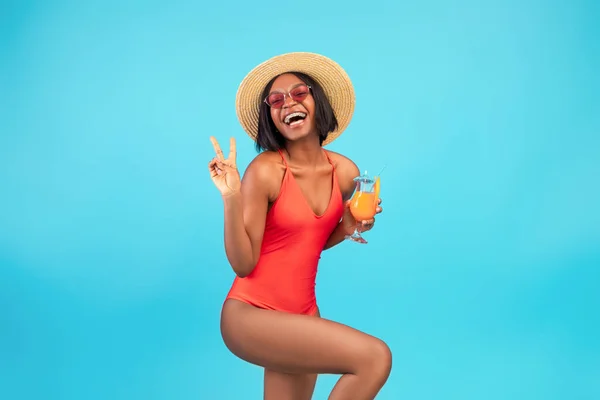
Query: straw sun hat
{"points": [[333, 79]]}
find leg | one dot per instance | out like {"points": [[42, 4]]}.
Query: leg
{"points": [[300, 344], [282, 386]]}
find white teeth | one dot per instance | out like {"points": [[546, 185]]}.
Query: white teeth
{"points": [[294, 114]]}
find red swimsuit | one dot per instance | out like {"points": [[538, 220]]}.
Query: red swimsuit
{"points": [[294, 237]]}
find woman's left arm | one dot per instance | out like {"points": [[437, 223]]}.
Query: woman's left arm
{"points": [[346, 172]]}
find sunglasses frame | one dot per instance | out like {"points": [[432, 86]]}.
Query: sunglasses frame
{"points": [[288, 94]]}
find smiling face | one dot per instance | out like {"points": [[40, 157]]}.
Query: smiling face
{"points": [[294, 116], [294, 113]]}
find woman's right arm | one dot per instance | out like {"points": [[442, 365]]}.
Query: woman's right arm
{"points": [[245, 214], [245, 201]]}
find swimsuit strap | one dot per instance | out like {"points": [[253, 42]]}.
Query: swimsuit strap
{"points": [[283, 158], [329, 159]]}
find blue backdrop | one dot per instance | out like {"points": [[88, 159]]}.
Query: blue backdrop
{"points": [[482, 273]]}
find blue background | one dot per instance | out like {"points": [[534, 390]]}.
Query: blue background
{"points": [[482, 274]]}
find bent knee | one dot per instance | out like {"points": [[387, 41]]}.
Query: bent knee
{"points": [[382, 355], [376, 358]]}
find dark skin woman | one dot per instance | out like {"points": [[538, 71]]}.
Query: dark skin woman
{"points": [[293, 348]]}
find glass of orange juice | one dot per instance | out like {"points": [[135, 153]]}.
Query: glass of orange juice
{"points": [[363, 204]]}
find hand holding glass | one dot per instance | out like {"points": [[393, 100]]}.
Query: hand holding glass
{"points": [[363, 205]]}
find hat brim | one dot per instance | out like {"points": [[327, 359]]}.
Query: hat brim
{"points": [[331, 76]]}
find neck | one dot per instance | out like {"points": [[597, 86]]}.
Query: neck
{"points": [[305, 152]]}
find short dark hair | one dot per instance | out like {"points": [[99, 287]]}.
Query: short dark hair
{"points": [[269, 138]]}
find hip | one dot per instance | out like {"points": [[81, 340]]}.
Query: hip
{"points": [[312, 310], [296, 301]]}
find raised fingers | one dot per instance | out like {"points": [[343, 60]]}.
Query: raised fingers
{"points": [[217, 148], [232, 150]]}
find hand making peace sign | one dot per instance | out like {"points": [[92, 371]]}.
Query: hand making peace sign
{"points": [[223, 171]]}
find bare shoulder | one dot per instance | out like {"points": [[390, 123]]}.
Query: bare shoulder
{"points": [[264, 173], [344, 164], [346, 170]]}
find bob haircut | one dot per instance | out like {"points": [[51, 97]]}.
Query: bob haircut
{"points": [[269, 138]]}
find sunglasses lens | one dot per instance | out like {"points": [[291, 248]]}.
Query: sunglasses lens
{"points": [[276, 100], [299, 93]]}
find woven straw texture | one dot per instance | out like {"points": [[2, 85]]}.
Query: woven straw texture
{"points": [[330, 75]]}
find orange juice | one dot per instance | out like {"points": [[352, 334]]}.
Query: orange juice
{"points": [[363, 205]]}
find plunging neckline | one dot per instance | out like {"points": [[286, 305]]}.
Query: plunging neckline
{"points": [[304, 198]]}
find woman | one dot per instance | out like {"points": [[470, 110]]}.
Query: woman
{"points": [[291, 205]]}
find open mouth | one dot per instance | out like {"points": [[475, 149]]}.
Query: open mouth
{"points": [[294, 118]]}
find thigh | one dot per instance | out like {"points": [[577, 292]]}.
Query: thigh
{"points": [[283, 386], [294, 344]]}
